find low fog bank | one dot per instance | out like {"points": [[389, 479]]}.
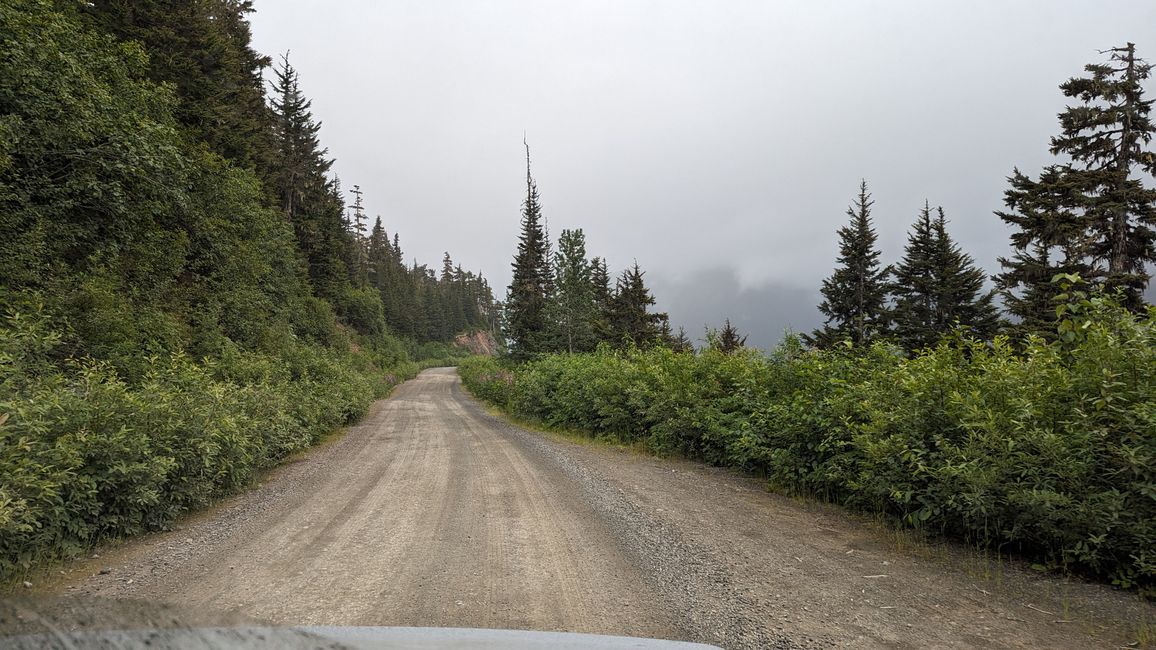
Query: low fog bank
{"points": [[764, 312]]}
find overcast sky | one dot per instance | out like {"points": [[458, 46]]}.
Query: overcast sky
{"points": [[719, 143]]}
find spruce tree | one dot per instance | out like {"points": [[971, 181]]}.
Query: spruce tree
{"points": [[531, 286], [301, 160], [1095, 210], [1051, 239], [680, 342], [378, 258], [204, 50], [447, 268], [631, 321], [356, 227], [600, 283], [310, 200], [573, 311], [727, 340], [855, 294], [1105, 137], [936, 286], [962, 300]]}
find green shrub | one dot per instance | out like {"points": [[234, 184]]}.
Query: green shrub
{"points": [[487, 379], [362, 310], [86, 455], [436, 354], [1044, 448]]}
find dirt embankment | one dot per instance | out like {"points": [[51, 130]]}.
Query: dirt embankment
{"points": [[434, 513], [479, 342]]}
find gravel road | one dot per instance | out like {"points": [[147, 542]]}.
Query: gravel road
{"points": [[432, 512]]}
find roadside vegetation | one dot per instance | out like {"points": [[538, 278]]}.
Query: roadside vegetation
{"points": [[188, 294], [1031, 431], [1044, 450], [185, 297]]}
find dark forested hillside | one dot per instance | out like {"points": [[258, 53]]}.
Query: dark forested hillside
{"points": [[185, 296]]}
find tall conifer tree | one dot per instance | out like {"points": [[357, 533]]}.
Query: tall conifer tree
{"points": [[855, 294], [357, 228], [1095, 214], [378, 259], [573, 309], [680, 342], [530, 288], [727, 340], [1105, 137], [310, 200], [600, 283], [1051, 239], [631, 321], [936, 286], [301, 160], [962, 299]]}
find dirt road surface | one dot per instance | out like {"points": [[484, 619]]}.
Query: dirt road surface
{"points": [[432, 512]]}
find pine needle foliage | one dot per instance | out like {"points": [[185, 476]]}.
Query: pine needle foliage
{"points": [[937, 287], [573, 310], [854, 297], [531, 288], [1106, 136], [1094, 213], [1050, 240], [631, 321], [726, 340]]}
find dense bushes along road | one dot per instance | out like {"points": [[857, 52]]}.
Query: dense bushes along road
{"points": [[181, 300], [1047, 450], [86, 455]]}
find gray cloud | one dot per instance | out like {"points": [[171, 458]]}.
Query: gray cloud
{"points": [[690, 135], [763, 312]]}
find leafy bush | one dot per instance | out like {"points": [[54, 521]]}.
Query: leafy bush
{"points": [[1043, 448], [487, 379], [435, 354], [86, 455], [362, 310]]}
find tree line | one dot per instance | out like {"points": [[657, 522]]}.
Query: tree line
{"points": [[563, 301], [361, 270], [1088, 215], [186, 294], [160, 173], [934, 287], [1026, 429]]}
